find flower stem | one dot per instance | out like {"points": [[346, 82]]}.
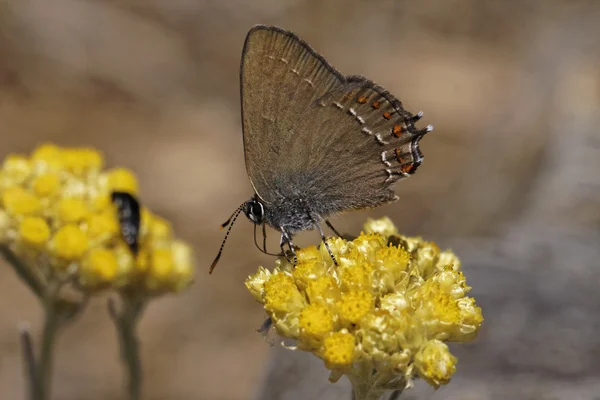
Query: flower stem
{"points": [[44, 368], [365, 390], [30, 368], [126, 323]]}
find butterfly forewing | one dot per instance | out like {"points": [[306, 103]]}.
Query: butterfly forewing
{"points": [[280, 77], [338, 143]]}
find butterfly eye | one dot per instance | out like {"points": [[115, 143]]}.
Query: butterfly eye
{"points": [[255, 211]]}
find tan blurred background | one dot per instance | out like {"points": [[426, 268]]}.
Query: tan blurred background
{"points": [[511, 178]]}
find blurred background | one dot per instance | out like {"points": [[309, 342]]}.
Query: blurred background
{"points": [[511, 178]]}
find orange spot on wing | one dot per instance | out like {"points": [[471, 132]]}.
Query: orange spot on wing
{"points": [[407, 168], [397, 130], [376, 105], [362, 100], [406, 165], [387, 115]]}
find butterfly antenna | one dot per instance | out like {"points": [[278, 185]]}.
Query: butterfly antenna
{"points": [[229, 222]]}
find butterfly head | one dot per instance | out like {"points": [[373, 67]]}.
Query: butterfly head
{"points": [[255, 211]]}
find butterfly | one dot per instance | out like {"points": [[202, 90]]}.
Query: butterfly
{"points": [[316, 143]]}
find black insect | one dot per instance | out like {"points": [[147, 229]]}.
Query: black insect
{"points": [[316, 142], [129, 218]]}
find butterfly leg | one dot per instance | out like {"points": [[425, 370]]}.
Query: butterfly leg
{"points": [[332, 228], [324, 239], [286, 239]]}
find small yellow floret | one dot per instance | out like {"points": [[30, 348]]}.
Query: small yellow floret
{"points": [[435, 363], [34, 231], [159, 228], [100, 265], [122, 180], [183, 270], [308, 271], [18, 201], [324, 289], [383, 226], [46, 185], [282, 294], [338, 350], [15, 170], [70, 242], [161, 264], [354, 305], [315, 322], [256, 283], [437, 304], [72, 210], [48, 155], [104, 225], [81, 160], [356, 276]]}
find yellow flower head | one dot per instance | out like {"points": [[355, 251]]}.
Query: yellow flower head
{"points": [[381, 315], [56, 213]]}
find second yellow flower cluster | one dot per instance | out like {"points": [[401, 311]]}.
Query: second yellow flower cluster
{"points": [[57, 217]]}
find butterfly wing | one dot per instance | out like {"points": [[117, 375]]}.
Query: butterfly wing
{"points": [[338, 143], [274, 93]]}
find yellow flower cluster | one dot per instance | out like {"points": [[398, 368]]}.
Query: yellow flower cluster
{"points": [[57, 217], [382, 316]]}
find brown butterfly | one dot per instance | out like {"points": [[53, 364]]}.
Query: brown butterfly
{"points": [[316, 142]]}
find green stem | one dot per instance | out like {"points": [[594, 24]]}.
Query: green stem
{"points": [[45, 361], [364, 390], [57, 313], [30, 368], [126, 322]]}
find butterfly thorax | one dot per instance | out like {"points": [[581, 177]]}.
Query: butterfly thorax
{"points": [[293, 215]]}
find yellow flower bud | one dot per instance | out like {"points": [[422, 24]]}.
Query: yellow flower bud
{"points": [[339, 350], [282, 294], [383, 226], [256, 283], [100, 265], [47, 157], [183, 270], [307, 271], [15, 170], [356, 276], [72, 210], [435, 363], [18, 201], [161, 264], [34, 231], [324, 289], [104, 225], [354, 305], [159, 228], [46, 185], [70, 242], [316, 321], [81, 160], [122, 180]]}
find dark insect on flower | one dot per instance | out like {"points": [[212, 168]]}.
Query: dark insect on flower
{"points": [[129, 218], [316, 142]]}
